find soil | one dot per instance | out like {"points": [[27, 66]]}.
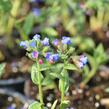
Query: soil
{"points": [[16, 68], [10, 102]]}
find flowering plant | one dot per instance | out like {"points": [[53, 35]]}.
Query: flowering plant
{"points": [[53, 60], [96, 59]]}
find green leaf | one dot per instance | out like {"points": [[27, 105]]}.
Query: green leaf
{"points": [[64, 82], [64, 104], [66, 85], [91, 61], [99, 50], [35, 105], [55, 75], [5, 5], [87, 44], [28, 24], [34, 74], [50, 31], [47, 81], [71, 50], [2, 69], [100, 55], [85, 71], [54, 104], [70, 67], [44, 67]]}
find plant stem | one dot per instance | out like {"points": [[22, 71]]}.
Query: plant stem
{"points": [[88, 78], [62, 93], [40, 86], [62, 89]]}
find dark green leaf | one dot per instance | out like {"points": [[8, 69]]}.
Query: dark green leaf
{"points": [[47, 81], [28, 24], [70, 67], [5, 5], [56, 75]]}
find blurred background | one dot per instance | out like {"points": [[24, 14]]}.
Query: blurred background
{"points": [[85, 21]]}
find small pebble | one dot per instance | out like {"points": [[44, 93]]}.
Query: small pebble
{"points": [[91, 99], [97, 104], [25, 106], [67, 94], [50, 97], [74, 92], [10, 99], [48, 104], [80, 91]]}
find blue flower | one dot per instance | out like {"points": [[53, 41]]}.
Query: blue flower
{"points": [[66, 40], [56, 42], [45, 42], [36, 37], [23, 44], [52, 58], [36, 11], [47, 56], [83, 59], [32, 44], [55, 57]]}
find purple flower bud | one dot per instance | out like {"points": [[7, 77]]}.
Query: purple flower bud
{"points": [[36, 37], [36, 11], [83, 59], [56, 42], [32, 44], [45, 42], [23, 44], [66, 40], [35, 54]]}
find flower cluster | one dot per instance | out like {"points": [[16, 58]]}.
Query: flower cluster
{"points": [[50, 56]]}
